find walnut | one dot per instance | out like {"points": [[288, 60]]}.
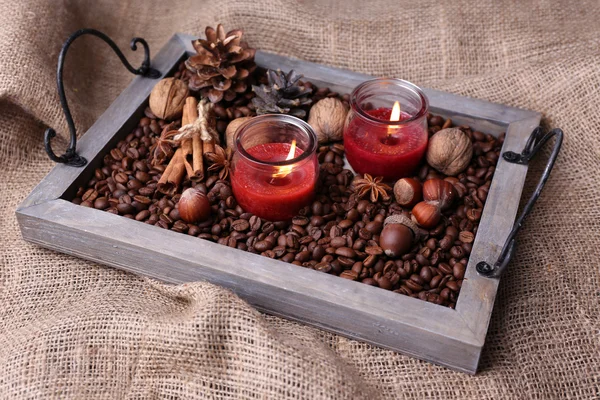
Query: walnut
{"points": [[327, 118], [168, 97], [449, 151], [232, 129]]}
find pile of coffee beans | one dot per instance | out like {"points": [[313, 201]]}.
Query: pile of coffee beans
{"points": [[337, 234]]}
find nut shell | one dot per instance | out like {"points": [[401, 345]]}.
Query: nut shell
{"points": [[449, 151], [396, 239], [426, 214], [232, 129], [168, 98], [193, 206], [327, 118], [408, 192], [441, 192]]}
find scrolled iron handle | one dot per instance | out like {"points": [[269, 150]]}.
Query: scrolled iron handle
{"points": [[71, 157], [535, 142]]}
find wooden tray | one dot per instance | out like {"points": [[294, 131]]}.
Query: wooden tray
{"points": [[437, 334]]}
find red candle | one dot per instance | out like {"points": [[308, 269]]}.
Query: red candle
{"points": [[274, 196], [275, 167], [381, 141]]}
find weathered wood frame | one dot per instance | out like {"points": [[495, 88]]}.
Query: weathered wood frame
{"points": [[453, 338]]}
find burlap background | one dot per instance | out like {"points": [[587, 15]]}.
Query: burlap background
{"points": [[72, 329]]}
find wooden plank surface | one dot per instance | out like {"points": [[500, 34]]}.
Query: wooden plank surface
{"points": [[350, 308]]}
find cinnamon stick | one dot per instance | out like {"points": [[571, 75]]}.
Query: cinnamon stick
{"points": [[173, 175], [209, 146], [190, 115], [188, 155], [198, 160]]}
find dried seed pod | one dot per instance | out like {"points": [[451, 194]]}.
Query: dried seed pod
{"points": [[168, 98], [449, 151]]}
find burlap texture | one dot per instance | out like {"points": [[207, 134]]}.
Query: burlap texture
{"points": [[73, 329]]}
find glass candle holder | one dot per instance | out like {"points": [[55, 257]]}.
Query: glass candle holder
{"points": [[385, 133], [275, 167]]}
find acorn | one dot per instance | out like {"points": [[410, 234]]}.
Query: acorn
{"points": [[194, 206], [397, 236]]}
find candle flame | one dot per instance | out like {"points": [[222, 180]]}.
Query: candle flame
{"points": [[284, 171], [394, 117], [395, 112]]}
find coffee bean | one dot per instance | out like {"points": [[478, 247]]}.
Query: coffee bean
{"points": [[125, 208], [318, 253], [323, 267], [384, 283], [117, 154], [413, 286], [240, 225], [345, 262], [300, 221], [446, 243], [457, 252], [474, 214], [255, 223], [349, 274], [452, 285], [426, 274], [101, 203], [374, 227], [445, 268], [338, 242], [263, 245], [466, 237], [435, 281], [90, 195], [421, 259], [303, 256], [345, 252], [335, 231], [370, 282], [458, 270]]}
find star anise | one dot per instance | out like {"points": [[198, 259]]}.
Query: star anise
{"points": [[372, 186], [221, 161], [163, 146]]}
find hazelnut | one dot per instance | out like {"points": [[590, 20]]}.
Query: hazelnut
{"points": [[397, 236], [439, 191], [193, 206], [426, 214], [168, 98], [449, 151], [408, 192], [327, 118], [232, 129]]}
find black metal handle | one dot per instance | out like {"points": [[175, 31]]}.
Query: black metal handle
{"points": [[71, 157], [533, 145]]}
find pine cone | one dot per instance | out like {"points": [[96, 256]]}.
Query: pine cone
{"points": [[282, 95], [222, 66]]}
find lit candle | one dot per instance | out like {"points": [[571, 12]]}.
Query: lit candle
{"points": [[386, 141], [275, 166]]}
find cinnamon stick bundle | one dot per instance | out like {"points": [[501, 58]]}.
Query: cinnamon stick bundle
{"points": [[197, 137]]}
